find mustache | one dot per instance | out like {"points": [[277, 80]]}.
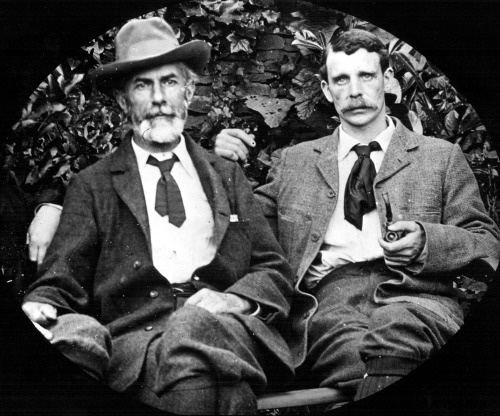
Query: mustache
{"points": [[167, 111], [358, 104]]}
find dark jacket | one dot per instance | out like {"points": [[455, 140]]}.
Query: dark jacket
{"points": [[100, 262]]}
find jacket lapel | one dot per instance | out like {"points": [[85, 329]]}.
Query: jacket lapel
{"points": [[327, 160], [397, 156], [127, 183], [212, 185]]}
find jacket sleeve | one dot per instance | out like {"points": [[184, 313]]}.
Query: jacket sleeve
{"points": [[66, 274], [267, 194], [269, 278], [466, 232]]}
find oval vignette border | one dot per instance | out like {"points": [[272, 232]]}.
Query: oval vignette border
{"points": [[457, 36]]}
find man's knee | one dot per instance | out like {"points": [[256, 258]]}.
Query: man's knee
{"points": [[405, 330], [84, 341]]}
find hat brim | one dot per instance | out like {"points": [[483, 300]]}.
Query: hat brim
{"points": [[194, 54]]}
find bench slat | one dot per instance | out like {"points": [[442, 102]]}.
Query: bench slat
{"points": [[300, 398]]}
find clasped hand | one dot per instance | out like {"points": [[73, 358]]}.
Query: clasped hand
{"points": [[219, 302], [407, 249]]}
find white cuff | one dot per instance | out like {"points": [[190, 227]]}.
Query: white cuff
{"points": [[59, 207]]}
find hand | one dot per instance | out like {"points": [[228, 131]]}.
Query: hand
{"points": [[41, 314], [218, 302], [232, 144], [407, 249], [41, 231]]}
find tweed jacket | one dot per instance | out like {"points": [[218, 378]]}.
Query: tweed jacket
{"points": [[428, 181], [100, 261]]}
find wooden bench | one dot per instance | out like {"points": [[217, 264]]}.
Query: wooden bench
{"points": [[295, 398]]}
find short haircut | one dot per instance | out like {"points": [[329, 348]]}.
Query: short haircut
{"points": [[350, 42]]}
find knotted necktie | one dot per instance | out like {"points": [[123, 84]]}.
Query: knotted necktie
{"points": [[168, 196], [359, 198]]}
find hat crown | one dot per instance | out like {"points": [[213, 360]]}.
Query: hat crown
{"points": [[144, 38]]}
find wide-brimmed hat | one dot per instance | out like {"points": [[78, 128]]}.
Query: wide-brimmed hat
{"points": [[146, 43]]}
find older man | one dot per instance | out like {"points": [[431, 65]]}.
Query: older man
{"points": [[157, 221], [378, 307]]}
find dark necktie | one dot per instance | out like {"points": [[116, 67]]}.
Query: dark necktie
{"points": [[359, 198], [168, 196]]}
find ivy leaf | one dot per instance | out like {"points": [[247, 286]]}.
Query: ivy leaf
{"points": [[201, 28], [193, 11], [271, 16], [306, 89], [239, 44], [230, 11], [274, 110]]}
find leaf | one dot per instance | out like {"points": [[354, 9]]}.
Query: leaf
{"points": [[308, 42], [201, 28], [274, 110], [271, 16], [239, 44], [230, 11], [193, 11], [306, 89]]}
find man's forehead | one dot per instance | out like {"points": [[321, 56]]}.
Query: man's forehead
{"points": [[361, 60]]}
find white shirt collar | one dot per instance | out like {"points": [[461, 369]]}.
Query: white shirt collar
{"points": [[347, 142], [180, 151]]}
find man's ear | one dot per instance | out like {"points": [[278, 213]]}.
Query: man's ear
{"points": [[388, 75], [121, 100], [326, 90], [189, 94]]}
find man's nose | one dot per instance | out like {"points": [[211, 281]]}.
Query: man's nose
{"points": [[158, 93], [355, 88]]}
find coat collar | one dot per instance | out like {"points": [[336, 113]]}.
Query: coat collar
{"points": [[127, 182], [395, 159]]}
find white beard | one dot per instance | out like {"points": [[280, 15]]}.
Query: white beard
{"points": [[161, 131]]}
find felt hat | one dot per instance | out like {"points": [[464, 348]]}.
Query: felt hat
{"points": [[147, 43]]}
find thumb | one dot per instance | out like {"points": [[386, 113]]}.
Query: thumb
{"points": [[49, 311]]}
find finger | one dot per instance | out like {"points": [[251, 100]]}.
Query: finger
{"points": [[230, 143], [407, 226], [45, 332], [248, 139], [33, 251], [41, 254]]}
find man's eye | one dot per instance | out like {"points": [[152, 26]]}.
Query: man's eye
{"points": [[368, 77], [140, 86], [170, 82], [341, 81]]}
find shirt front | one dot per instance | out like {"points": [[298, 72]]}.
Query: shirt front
{"points": [[178, 251], [343, 242]]}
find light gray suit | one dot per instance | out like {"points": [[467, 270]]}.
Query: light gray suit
{"points": [[428, 180]]}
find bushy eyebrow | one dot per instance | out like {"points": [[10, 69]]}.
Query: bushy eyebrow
{"points": [[147, 80]]}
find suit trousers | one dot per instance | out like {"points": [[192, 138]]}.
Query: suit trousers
{"points": [[205, 364], [351, 335]]}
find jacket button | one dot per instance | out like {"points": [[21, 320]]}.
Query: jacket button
{"points": [[137, 264], [148, 328], [196, 277], [315, 236], [330, 193], [153, 293]]}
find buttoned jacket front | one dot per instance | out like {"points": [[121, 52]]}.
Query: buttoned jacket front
{"points": [[428, 180], [100, 262]]}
